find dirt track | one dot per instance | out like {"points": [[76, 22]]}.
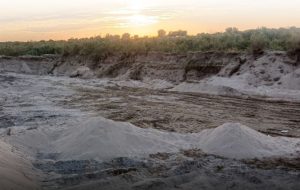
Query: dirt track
{"points": [[190, 113], [158, 109]]}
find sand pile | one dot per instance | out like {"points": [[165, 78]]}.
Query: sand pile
{"points": [[234, 140], [206, 88], [102, 139], [15, 171], [273, 74], [155, 84], [83, 72], [290, 81]]}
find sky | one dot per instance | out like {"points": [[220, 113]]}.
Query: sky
{"points": [[26, 20]]}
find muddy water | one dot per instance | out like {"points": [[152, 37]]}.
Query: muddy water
{"points": [[33, 101]]}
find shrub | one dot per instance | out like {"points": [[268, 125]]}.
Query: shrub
{"points": [[258, 43], [98, 47]]}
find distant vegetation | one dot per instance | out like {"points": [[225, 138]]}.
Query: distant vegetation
{"points": [[173, 42]]}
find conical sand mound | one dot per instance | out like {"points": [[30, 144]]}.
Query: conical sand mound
{"points": [[100, 139], [234, 140]]}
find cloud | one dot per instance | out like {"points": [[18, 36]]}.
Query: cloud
{"points": [[40, 18], [122, 17]]}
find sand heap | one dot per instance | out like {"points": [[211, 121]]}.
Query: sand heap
{"points": [[101, 139], [291, 80], [15, 171], [272, 74], [234, 140]]}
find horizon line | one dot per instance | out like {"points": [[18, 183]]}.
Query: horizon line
{"points": [[152, 35]]}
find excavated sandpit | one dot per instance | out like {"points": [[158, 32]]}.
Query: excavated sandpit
{"points": [[55, 122], [274, 74]]}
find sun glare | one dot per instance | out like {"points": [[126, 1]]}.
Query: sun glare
{"points": [[141, 20], [135, 15], [136, 5]]}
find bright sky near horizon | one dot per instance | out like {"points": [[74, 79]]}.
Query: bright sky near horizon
{"points": [[24, 20]]}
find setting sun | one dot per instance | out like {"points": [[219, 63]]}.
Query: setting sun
{"points": [[136, 15], [142, 20], [56, 19], [136, 5]]}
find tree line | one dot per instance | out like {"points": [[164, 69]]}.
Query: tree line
{"points": [[99, 47]]}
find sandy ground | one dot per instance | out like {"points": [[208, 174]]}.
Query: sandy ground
{"points": [[40, 113], [16, 172], [188, 112]]}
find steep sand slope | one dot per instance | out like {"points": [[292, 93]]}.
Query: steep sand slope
{"points": [[15, 171], [272, 74]]}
